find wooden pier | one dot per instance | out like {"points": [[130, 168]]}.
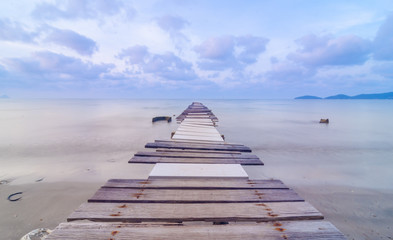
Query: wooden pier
{"points": [[196, 190]]}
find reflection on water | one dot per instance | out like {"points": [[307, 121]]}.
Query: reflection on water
{"points": [[93, 139]]}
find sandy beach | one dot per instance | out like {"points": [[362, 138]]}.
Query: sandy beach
{"points": [[358, 213]]}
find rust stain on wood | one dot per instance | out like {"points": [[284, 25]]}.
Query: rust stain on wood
{"points": [[261, 204], [116, 214], [144, 182], [272, 214], [137, 195]]}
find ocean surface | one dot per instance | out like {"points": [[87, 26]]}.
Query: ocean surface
{"points": [[92, 139]]}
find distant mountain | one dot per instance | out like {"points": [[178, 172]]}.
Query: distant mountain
{"points": [[339, 96], [4, 96], [308, 97], [388, 95]]}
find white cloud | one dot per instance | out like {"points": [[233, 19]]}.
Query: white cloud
{"points": [[227, 52], [383, 42], [72, 40], [167, 66], [317, 51]]}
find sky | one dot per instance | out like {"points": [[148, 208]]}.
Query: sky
{"points": [[265, 49]]}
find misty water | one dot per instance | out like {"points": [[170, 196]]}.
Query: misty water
{"points": [[92, 139]]}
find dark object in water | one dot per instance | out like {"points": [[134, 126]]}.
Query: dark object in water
{"points": [[324, 120], [16, 199], [39, 180], [162, 118]]}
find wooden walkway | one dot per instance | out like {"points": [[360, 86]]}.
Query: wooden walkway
{"points": [[221, 206]]}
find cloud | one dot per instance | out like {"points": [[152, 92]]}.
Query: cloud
{"points": [[49, 66], [384, 69], [251, 47], [168, 66], [81, 9], [219, 48], [173, 25], [134, 55], [287, 73], [72, 40], [320, 51], [383, 42], [14, 31], [225, 52]]}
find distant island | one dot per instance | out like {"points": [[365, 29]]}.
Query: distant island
{"points": [[388, 95], [308, 97], [4, 96]]}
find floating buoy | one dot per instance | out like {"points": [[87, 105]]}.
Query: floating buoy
{"points": [[162, 118], [324, 120]]}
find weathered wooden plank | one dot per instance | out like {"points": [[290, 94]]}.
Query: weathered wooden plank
{"points": [[130, 195], [198, 127], [208, 143], [195, 124], [199, 136], [199, 110], [199, 123], [198, 130], [197, 120], [152, 160], [198, 133], [313, 229], [197, 146], [195, 155], [195, 183], [211, 212], [196, 151], [197, 141], [197, 115]]}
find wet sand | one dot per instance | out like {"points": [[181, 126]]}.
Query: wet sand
{"points": [[359, 213]]}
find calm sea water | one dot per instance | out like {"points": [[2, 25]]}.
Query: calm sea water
{"points": [[75, 139]]}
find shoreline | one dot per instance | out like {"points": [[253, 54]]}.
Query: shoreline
{"points": [[360, 213]]}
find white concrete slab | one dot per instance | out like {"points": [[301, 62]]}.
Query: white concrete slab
{"points": [[200, 138], [197, 119], [199, 130], [202, 114], [211, 124], [196, 125], [198, 134], [198, 170]]}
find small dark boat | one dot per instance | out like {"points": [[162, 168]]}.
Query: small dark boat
{"points": [[162, 118]]}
